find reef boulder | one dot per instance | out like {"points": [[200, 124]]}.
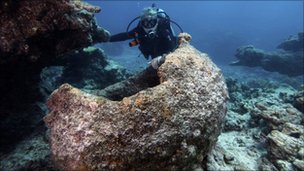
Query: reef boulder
{"points": [[170, 126], [41, 30], [285, 147], [287, 61], [298, 101], [293, 43]]}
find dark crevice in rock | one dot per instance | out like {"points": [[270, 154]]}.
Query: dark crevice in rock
{"points": [[145, 79], [19, 108]]}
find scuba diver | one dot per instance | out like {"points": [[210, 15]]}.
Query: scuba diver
{"points": [[153, 34]]}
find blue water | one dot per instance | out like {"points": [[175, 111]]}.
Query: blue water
{"points": [[217, 27]]}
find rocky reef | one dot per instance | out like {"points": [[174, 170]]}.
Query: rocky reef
{"points": [[88, 69], [287, 61], [32, 153], [37, 31], [42, 36], [24, 145], [166, 119], [298, 100], [169, 126], [263, 129], [293, 43]]}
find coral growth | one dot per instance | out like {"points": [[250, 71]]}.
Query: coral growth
{"points": [[37, 31], [34, 35], [169, 126], [263, 130]]}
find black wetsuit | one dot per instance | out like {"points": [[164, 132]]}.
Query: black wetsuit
{"points": [[163, 42]]}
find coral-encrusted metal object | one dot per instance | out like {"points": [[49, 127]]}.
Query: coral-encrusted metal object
{"points": [[170, 126]]}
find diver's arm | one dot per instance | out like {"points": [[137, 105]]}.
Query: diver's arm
{"points": [[122, 36]]}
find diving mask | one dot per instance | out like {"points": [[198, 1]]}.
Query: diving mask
{"points": [[149, 24]]}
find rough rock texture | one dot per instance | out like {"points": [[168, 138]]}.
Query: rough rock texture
{"points": [[90, 69], [288, 61], [39, 30], [171, 126], [87, 69], [33, 153], [21, 117], [32, 34], [23, 94], [263, 130], [286, 147], [234, 151], [275, 115], [298, 100]]}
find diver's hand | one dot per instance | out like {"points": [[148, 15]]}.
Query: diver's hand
{"points": [[102, 35], [156, 62]]}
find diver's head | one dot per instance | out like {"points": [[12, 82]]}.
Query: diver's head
{"points": [[149, 21]]}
